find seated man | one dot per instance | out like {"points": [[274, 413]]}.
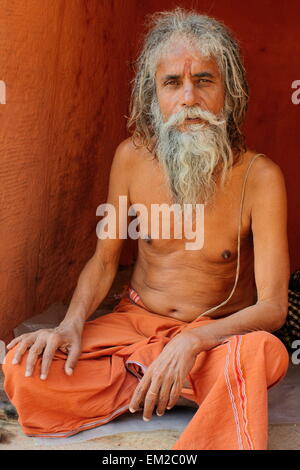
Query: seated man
{"points": [[195, 321]]}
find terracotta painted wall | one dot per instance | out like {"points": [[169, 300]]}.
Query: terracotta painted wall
{"points": [[66, 65]]}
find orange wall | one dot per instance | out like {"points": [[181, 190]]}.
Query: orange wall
{"points": [[65, 67], [67, 70]]}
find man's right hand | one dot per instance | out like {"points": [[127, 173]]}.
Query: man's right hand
{"points": [[67, 338]]}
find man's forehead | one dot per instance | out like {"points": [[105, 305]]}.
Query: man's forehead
{"points": [[180, 59], [187, 68]]}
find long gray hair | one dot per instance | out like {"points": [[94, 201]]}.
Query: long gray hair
{"points": [[213, 39]]}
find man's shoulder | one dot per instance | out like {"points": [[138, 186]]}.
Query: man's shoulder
{"points": [[265, 180], [128, 152], [126, 146], [264, 171]]}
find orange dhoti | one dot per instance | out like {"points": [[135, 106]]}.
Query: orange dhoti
{"points": [[229, 382]]}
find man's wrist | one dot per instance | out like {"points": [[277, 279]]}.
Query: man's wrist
{"points": [[75, 322], [202, 339]]}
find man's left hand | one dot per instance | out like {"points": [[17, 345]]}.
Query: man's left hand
{"points": [[162, 383]]}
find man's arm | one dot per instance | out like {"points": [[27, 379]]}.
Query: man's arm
{"points": [[93, 285], [271, 263], [164, 378], [97, 276]]}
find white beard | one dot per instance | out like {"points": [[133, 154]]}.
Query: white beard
{"points": [[190, 158]]}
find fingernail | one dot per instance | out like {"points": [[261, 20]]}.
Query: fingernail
{"points": [[27, 373], [159, 414], [69, 371], [131, 410], [146, 419], [43, 376], [14, 361], [169, 407]]}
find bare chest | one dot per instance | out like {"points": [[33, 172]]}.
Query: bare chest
{"points": [[208, 234]]}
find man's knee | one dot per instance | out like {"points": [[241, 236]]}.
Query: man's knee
{"points": [[7, 365], [269, 341], [15, 381], [274, 352]]}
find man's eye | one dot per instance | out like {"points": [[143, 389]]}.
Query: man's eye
{"points": [[172, 82], [176, 82], [202, 80]]}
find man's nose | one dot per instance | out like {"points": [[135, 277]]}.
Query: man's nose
{"points": [[189, 97]]}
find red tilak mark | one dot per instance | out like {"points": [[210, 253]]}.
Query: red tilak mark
{"points": [[187, 67]]}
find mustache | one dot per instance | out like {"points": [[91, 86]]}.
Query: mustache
{"points": [[195, 112]]}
